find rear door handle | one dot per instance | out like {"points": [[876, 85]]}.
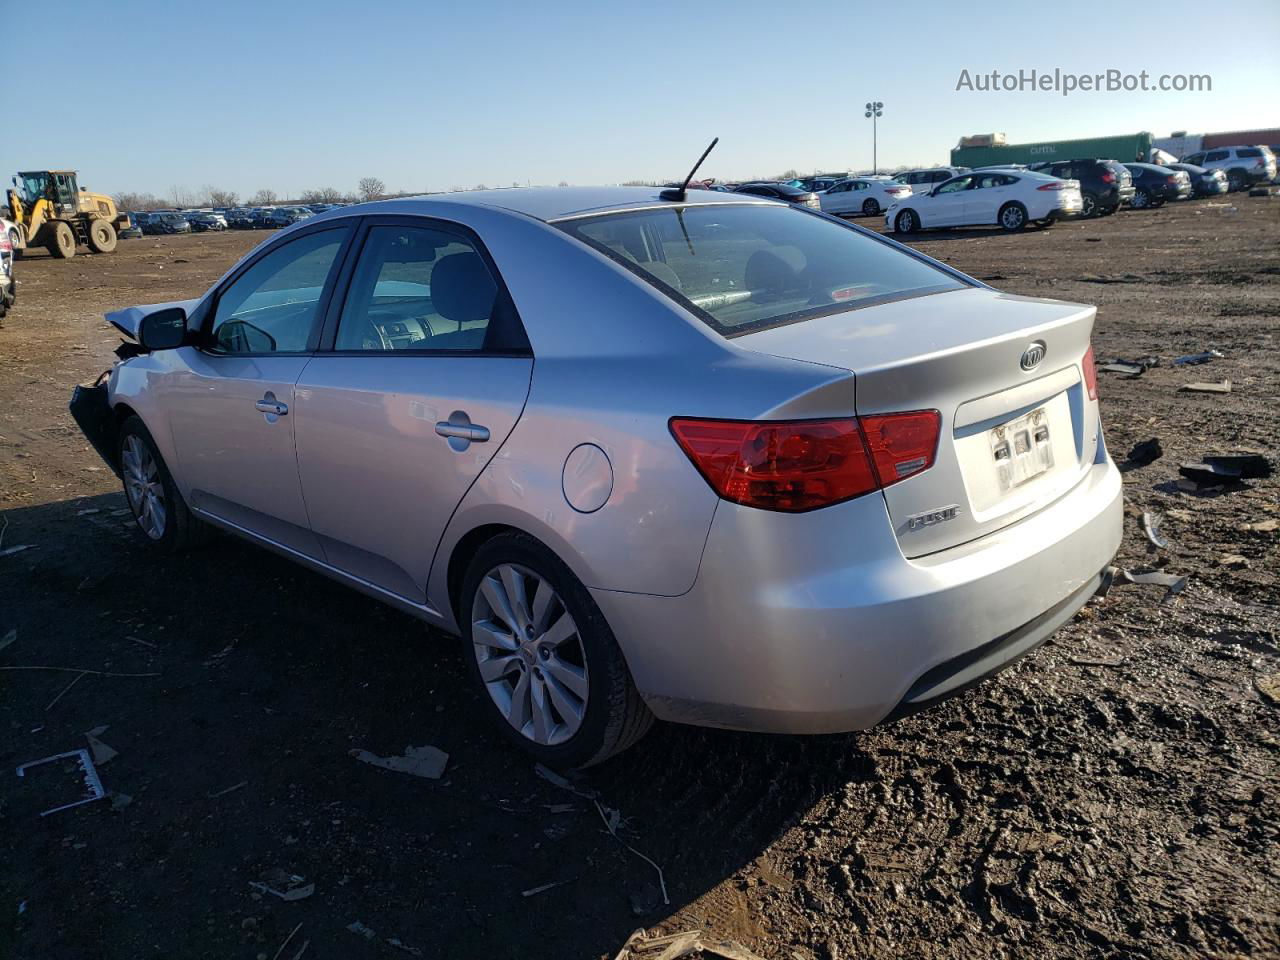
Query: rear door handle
{"points": [[460, 431]]}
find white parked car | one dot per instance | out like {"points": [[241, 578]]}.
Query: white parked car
{"points": [[867, 195], [1244, 166], [922, 181], [1008, 198], [8, 290]]}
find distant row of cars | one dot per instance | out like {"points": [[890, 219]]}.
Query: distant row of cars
{"points": [[159, 222]]}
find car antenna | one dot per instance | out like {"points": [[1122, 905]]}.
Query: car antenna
{"points": [[679, 196]]}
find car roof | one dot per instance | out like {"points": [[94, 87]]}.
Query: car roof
{"points": [[557, 203]]}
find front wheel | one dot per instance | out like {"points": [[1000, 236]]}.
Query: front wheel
{"points": [[102, 236], [1013, 217], [870, 206], [552, 675], [1141, 199], [158, 508], [62, 241], [906, 222]]}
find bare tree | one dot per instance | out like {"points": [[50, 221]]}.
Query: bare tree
{"points": [[263, 198], [479, 186], [183, 197], [223, 198], [563, 183], [371, 188], [322, 195], [138, 201]]}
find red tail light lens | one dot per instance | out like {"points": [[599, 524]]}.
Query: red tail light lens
{"points": [[799, 465], [1090, 374], [1108, 177], [1173, 179], [789, 466], [902, 444], [1056, 185]]}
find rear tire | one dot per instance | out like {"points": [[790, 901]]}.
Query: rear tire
{"points": [[1090, 207], [157, 506], [62, 240], [514, 569], [870, 206], [906, 222], [1013, 217], [102, 236], [1141, 199]]}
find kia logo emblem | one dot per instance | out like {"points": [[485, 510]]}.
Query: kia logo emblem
{"points": [[1032, 356]]}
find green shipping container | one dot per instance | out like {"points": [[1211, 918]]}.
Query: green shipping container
{"points": [[1127, 149]]}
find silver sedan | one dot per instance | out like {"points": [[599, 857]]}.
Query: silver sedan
{"points": [[712, 459]]}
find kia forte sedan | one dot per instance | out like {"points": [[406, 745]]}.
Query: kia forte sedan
{"points": [[711, 459]]}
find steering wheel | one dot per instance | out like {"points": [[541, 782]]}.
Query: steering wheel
{"points": [[374, 338]]}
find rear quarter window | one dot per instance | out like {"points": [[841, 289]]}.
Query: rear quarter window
{"points": [[745, 267], [1248, 152]]}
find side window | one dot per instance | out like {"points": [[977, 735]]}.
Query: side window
{"points": [[1213, 155], [956, 185], [273, 306], [417, 288], [1196, 159]]}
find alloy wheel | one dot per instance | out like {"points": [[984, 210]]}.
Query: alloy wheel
{"points": [[1012, 218], [143, 487], [1140, 200], [530, 655], [1090, 206]]}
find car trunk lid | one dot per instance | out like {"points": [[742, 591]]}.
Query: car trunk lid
{"points": [[1006, 373]]}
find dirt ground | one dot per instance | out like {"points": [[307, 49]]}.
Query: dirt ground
{"points": [[1115, 794]]}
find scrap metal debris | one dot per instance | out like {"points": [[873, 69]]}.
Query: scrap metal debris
{"points": [[286, 886], [1194, 359], [1174, 584], [10, 551], [1131, 370], [92, 783], [101, 752], [1217, 471], [231, 789], [549, 775], [428, 761], [687, 944], [8, 638], [1223, 387], [534, 891], [1151, 527], [612, 821]]}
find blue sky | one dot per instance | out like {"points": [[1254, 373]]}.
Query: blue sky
{"points": [[429, 96]]}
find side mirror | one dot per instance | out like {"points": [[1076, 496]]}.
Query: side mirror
{"points": [[163, 330]]}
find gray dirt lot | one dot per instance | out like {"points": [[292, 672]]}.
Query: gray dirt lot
{"points": [[1115, 794]]}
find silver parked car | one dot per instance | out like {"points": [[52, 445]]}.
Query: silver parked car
{"points": [[717, 460]]}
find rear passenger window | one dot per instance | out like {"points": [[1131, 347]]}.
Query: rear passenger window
{"points": [[1248, 152], [417, 288], [1216, 155]]}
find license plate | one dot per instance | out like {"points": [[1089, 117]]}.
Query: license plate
{"points": [[1020, 449]]}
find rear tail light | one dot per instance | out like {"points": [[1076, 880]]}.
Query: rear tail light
{"points": [[1108, 177], [1090, 374], [1171, 179], [6, 245], [897, 191], [798, 465], [1056, 185]]}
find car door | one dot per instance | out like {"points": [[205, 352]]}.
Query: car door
{"points": [[946, 208], [423, 371], [989, 193], [231, 405], [838, 199]]}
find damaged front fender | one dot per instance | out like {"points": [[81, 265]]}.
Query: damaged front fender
{"points": [[91, 409]]}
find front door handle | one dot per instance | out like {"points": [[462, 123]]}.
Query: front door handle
{"points": [[460, 431], [271, 406]]}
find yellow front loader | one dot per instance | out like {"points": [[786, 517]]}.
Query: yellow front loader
{"points": [[52, 211]]}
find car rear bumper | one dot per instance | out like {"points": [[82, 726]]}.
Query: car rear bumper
{"points": [[816, 623], [1066, 213]]}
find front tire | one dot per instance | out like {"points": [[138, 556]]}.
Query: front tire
{"points": [[158, 508], [62, 241], [870, 206], [906, 222], [1013, 217], [550, 673], [1141, 199], [102, 236]]}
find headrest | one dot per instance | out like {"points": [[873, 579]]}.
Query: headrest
{"points": [[462, 289]]}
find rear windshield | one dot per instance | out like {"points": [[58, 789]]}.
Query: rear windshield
{"points": [[742, 268]]}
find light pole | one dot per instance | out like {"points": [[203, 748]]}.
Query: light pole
{"points": [[875, 110]]}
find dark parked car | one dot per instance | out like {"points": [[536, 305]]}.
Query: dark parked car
{"points": [[287, 216], [262, 218], [1104, 184], [200, 222], [1153, 185], [240, 219], [781, 191], [1204, 183], [166, 223], [823, 181]]}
